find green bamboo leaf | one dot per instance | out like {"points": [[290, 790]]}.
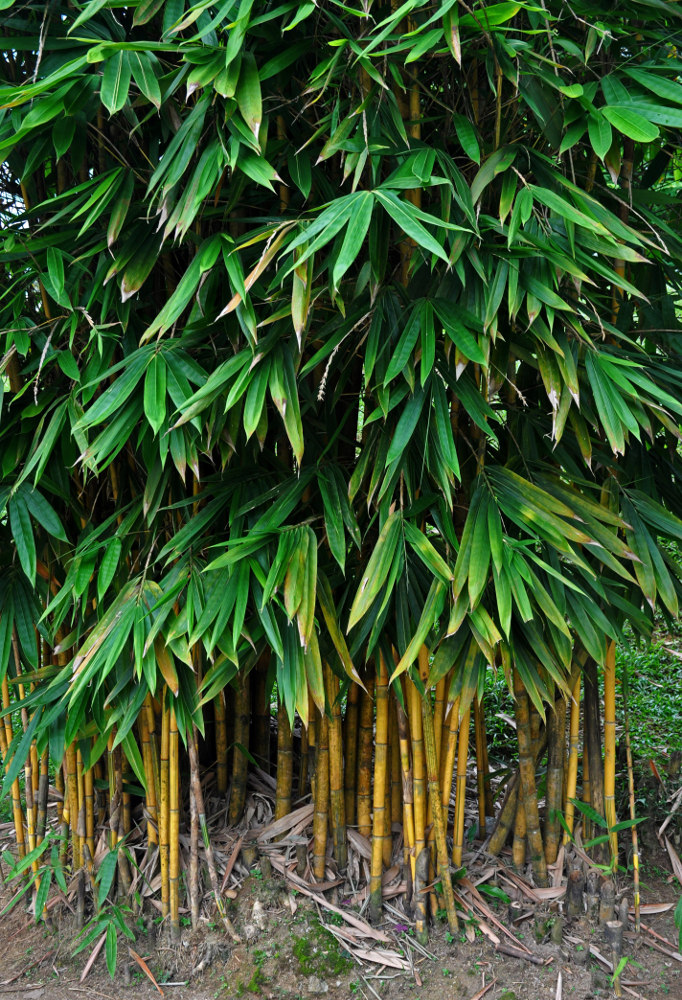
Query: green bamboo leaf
{"points": [[430, 613], [503, 597], [466, 133], [294, 581], [356, 231], [427, 553], [405, 216], [108, 566], [565, 209], [115, 81], [600, 133], [155, 392], [248, 94], [490, 16], [457, 331], [314, 672], [377, 569], [333, 518], [43, 512], [479, 559], [111, 948], [406, 425], [22, 535], [630, 123], [142, 67], [306, 610], [590, 812], [105, 876]]}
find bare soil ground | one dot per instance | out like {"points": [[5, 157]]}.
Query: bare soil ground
{"points": [[293, 949]]}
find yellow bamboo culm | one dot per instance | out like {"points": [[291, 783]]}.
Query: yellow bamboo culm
{"points": [[285, 763], [151, 804], [519, 841], [114, 804], [164, 804], [406, 773], [480, 771], [448, 755], [80, 785], [556, 745], [439, 715], [350, 747], [17, 811], [528, 795], [573, 754], [89, 791], [336, 784], [365, 742], [418, 772], [396, 781], [379, 818], [174, 825], [150, 715], [460, 790], [72, 792], [431, 756], [321, 801], [610, 747]]}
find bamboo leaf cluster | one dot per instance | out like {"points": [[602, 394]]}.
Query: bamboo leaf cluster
{"points": [[341, 351]]}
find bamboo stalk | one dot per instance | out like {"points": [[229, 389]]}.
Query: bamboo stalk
{"points": [[379, 818], [507, 817], [151, 805], [396, 781], [336, 782], [193, 872], [631, 795], [528, 797], [43, 792], [89, 792], [321, 801], [593, 741], [610, 748], [174, 825], [198, 797], [17, 812], [240, 761], [480, 774], [448, 756], [303, 762], [460, 792], [221, 746], [164, 805], [72, 792], [556, 741], [574, 748], [285, 763], [350, 746], [519, 841], [438, 822], [439, 715], [406, 771], [366, 738], [418, 772]]}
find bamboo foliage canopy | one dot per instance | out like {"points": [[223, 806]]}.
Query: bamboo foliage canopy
{"points": [[334, 330]]}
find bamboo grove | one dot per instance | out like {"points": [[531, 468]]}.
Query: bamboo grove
{"points": [[342, 367]]}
